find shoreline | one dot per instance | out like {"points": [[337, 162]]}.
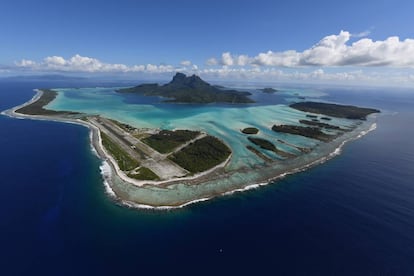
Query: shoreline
{"points": [[110, 170], [254, 186], [99, 150]]}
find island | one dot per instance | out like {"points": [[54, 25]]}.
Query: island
{"points": [[36, 108], [268, 90], [162, 168], [141, 155], [310, 132], [250, 130], [267, 145], [319, 124], [192, 89], [159, 154], [316, 129], [335, 110]]}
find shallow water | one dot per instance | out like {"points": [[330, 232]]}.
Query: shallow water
{"points": [[221, 120], [352, 215]]}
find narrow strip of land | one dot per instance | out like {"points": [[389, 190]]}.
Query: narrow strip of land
{"points": [[163, 167]]}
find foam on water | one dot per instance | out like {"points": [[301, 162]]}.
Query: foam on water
{"points": [[91, 144], [106, 173], [150, 207]]}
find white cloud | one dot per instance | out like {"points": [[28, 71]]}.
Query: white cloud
{"points": [[334, 50], [212, 61], [26, 63], [79, 63], [227, 59], [355, 76], [55, 60], [186, 63], [242, 60], [282, 59], [342, 58], [362, 34]]}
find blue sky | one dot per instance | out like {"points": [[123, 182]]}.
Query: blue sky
{"points": [[220, 39]]}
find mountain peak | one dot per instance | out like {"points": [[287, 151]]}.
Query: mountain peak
{"points": [[181, 79]]}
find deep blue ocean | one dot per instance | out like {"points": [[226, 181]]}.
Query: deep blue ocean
{"points": [[353, 215]]}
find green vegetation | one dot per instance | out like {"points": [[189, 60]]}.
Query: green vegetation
{"points": [[335, 110], [267, 145], [311, 116], [124, 160], [319, 124], [250, 130], [202, 155], [262, 143], [166, 140], [144, 173], [310, 132], [326, 118], [125, 127], [36, 108], [192, 89]]}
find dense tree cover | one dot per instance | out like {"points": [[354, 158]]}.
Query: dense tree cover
{"points": [[263, 143], [335, 110], [202, 155], [250, 130], [319, 124], [166, 140], [37, 107], [310, 132]]}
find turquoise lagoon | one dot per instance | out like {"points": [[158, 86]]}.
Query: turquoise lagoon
{"points": [[245, 170]]}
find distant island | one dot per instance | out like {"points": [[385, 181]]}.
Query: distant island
{"points": [[193, 89], [315, 129], [268, 90], [335, 110]]}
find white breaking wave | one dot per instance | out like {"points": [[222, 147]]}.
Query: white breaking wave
{"points": [[108, 189], [106, 169], [106, 173], [91, 143], [149, 207], [371, 128], [338, 150], [248, 187], [322, 160]]}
